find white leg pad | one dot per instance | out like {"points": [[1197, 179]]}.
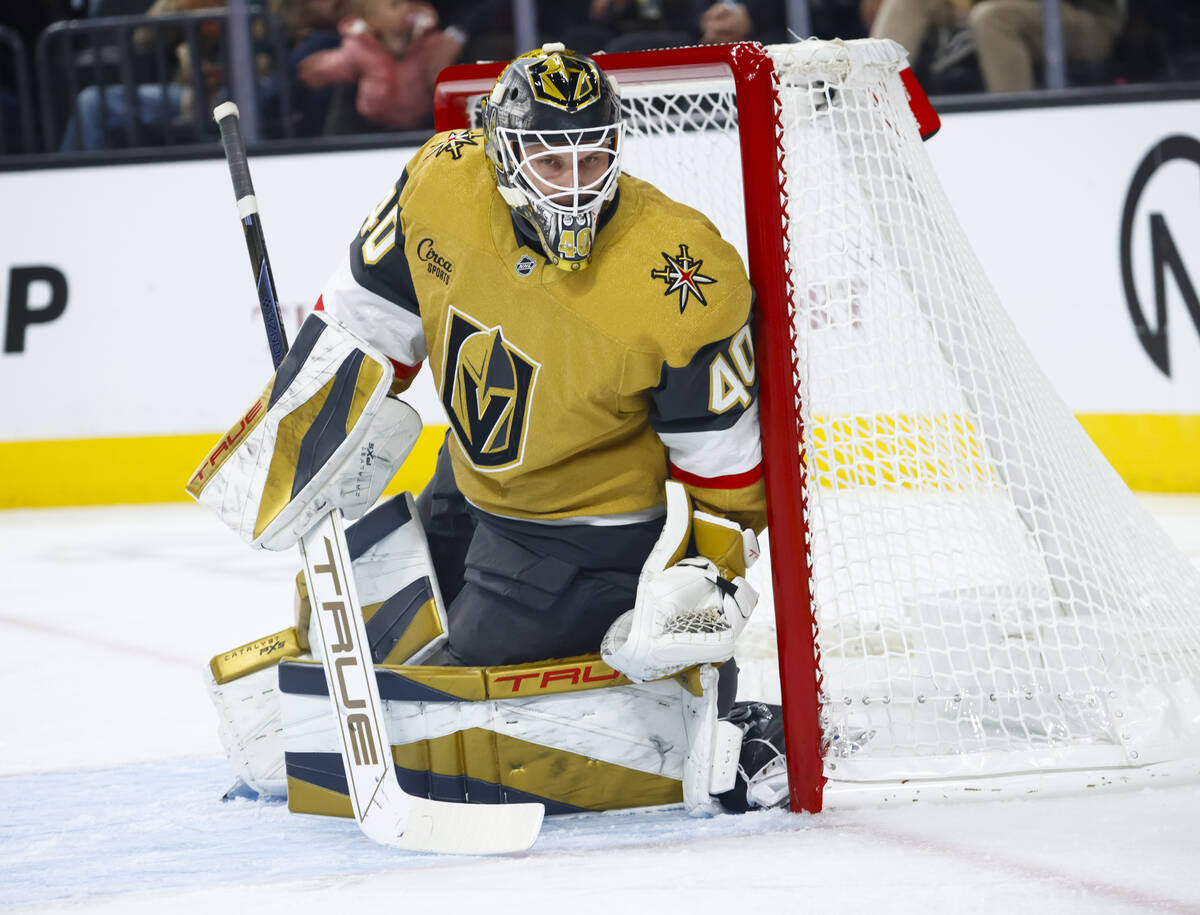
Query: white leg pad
{"points": [[251, 729]]}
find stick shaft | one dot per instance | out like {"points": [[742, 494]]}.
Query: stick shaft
{"points": [[383, 809], [256, 243], [366, 756]]}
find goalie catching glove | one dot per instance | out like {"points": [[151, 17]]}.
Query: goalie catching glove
{"points": [[323, 435], [688, 610]]}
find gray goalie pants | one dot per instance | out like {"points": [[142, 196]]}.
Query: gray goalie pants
{"points": [[519, 591]]}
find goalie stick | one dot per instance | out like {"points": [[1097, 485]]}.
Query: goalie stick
{"points": [[384, 811]]}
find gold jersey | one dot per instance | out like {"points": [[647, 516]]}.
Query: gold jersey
{"points": [[571, 395]]}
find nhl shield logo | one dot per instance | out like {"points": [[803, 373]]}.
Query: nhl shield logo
{"points": [[525, 265], [487, 384], [567, 84]]}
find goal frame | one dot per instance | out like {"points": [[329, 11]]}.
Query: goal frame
{"points": [[765, 197]]}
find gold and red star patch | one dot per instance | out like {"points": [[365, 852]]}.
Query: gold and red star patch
{"points": [[682, 274]]}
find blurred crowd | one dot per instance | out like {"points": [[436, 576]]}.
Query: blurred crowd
{"points": [[72, 79]]}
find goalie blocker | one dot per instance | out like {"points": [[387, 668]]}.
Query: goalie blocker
{"points": [[323, 435]]}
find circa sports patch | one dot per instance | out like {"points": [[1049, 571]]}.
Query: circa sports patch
{"points": [[683, 274], [436, 264]]}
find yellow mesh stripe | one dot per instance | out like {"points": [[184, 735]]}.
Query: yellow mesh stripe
{"points": [[940, 452]]}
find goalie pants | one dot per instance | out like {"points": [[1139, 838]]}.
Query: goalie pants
{"points": [[519, 591]]}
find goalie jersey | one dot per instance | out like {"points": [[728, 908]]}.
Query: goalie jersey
{"points": [[571, 396]]}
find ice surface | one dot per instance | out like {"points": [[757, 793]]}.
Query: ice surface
{"points": [[110, 779]]}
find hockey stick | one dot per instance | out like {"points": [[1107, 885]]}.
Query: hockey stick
{"points": [[384, 811]]}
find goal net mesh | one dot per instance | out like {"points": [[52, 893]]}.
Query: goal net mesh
{"points": [[989, 596]]}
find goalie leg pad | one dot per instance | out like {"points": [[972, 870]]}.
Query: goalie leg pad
{"points": [[572, 734], [242, 684], [406, 622], [322, 435]]}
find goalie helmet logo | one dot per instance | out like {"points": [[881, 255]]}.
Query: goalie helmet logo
{"points": [[487, 384], [566, 82]]}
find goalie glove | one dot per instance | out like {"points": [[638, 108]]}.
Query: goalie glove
{"points": [[688, 610], [323, 435]]}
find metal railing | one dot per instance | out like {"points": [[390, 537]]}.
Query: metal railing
{"points": [[11, 44], [126, 77], [1053, 51]]}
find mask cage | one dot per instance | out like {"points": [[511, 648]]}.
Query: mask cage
{"points": [[518, 162]]}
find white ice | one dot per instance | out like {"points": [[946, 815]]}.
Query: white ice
{"points": [[110, 779]]}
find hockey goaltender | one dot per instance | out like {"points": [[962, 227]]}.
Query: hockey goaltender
{"points": [[590, 341]]}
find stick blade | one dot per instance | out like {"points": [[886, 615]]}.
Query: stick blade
{"points": [[458, 829]]}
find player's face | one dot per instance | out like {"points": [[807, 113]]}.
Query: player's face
{"points": [[559, 171]]}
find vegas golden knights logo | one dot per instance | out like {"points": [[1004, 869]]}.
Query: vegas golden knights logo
{"points": [[565, 83], [487, 384]]}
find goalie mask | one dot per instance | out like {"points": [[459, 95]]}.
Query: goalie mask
{"points": [[552, 131]]}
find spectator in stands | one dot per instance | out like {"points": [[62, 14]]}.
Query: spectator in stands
{"points": [[635, 25], [483, 29], [312, 26], [631, 25], [942, 24], [100, 109], [1008, 37], [751, 20], [385, 54]]}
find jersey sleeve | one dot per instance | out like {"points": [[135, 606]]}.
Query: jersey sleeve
{"points": [[706, 414], [371, 290]]}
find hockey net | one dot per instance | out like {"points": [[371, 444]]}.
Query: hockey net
{"points": [[962, 587]]}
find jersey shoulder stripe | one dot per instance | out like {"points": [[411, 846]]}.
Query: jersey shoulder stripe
{"points": [[377, 260]]}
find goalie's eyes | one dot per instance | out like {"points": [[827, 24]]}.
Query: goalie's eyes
{"points": [[559, 168]]}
